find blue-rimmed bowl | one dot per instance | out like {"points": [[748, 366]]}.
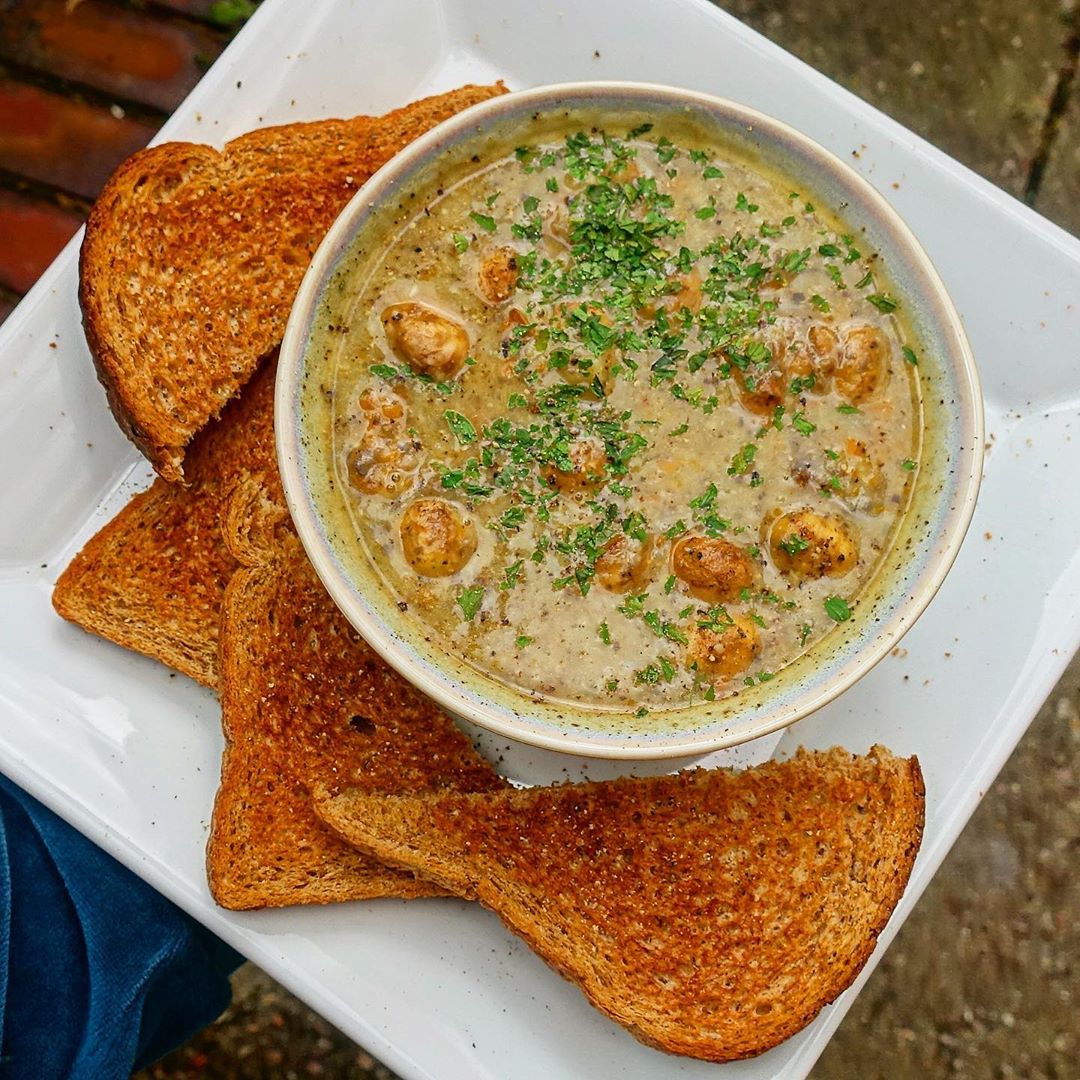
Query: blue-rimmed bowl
{"points": [[925, 544]]}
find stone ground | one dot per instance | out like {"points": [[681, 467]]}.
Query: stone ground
{"points": [[981, 980]]}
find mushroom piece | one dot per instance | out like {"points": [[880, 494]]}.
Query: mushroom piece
{"points": [[428, 341], [437, 538], [589, 460], [861, 366], [624, 564], [808, 544], [385, 459], [723, 651], [497, 275], [712, 568]]}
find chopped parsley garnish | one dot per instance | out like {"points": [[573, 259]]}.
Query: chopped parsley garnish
{"points": [[461, 426], [523, 641], [908, 464], [846, 409], [485, 221], [883, 302], [794, 543], [469, 601], [742, 460], [605, 633], [461, 243], [511, 575], [909, 355], [836, 607], [802, 425]]}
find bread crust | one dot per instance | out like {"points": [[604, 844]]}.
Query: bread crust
{"points": [[192, 256], [305, 700], [713, 914]]}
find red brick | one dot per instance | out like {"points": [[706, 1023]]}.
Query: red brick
{"points": [[63, 142], [34, 233], [117, 50]]}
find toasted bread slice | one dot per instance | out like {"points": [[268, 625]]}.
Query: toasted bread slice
{"points": [[711, 913], [154, 577], [192, 257], [305, 700]]}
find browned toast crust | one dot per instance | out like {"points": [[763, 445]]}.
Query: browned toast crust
{"points": [[713, 914], [153, 579], [305, 700], [192, 257]]}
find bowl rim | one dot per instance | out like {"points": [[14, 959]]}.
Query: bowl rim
{"points": [[443, 687]]}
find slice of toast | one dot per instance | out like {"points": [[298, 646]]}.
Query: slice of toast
{"points": [[711, 913], [192, 257], [154, 577], [305, 700]]}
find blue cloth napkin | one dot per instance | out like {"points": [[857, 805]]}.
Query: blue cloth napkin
{"points": [[99, 974]]}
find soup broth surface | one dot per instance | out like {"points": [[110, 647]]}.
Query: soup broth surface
{"points": [[620, 417]]}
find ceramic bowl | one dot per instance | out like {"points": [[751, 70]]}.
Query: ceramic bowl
{"points": [[926, 542]]}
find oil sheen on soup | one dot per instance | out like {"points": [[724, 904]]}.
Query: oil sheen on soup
{"points": [[623, 419]]}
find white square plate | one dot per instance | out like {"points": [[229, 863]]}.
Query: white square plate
{"points": [[130, 753]]}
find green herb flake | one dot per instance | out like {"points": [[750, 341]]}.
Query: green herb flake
{"points": [[485, 221], [794, 543], [742, 460], [711, 172], [820, 303], [461, 426], [384, 371], [804, 633], [802, 425], [846, 409], [908, 464], [741, 203], [669, 584], [511, 575], [909, 355], [605, 633], [551, 184], [705, 212], [883, 302], [523, 641], [461, 243], [836, 607], [469, 601]]}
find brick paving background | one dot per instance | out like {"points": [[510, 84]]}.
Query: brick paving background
{"points": [[982, 980]]}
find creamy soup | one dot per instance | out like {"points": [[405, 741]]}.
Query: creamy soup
{"points": [[621, 418]]}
